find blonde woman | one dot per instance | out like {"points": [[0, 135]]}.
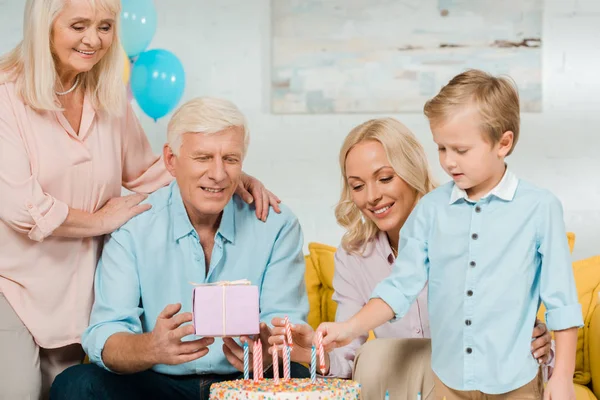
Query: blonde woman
{"points": [[69, 141], [384, 174]]}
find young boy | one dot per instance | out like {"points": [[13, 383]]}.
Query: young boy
{"points": [[491, 247]]}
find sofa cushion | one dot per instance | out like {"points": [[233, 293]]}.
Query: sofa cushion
{"points": [[319, 283], [583, 393], [587, 280]]}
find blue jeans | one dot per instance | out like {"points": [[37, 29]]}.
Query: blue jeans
{"points": [[88, 381]]}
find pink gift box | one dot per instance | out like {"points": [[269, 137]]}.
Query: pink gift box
{"points": [[225, 309]]}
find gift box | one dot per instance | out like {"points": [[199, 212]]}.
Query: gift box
{"points": [[225, 309]]}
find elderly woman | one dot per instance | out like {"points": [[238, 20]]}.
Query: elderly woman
{"points": [[384, 172], [69, 141]]}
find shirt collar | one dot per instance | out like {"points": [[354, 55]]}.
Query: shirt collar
{"points": [[504, 190], [383, 245], [181, 221]]}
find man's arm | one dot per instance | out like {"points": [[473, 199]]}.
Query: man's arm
{"points": [[115, 339], [116, 307], [129, 353]]}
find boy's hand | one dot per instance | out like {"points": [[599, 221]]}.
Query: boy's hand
{"points": [[559, 388], [336, 334], [302, 337]]}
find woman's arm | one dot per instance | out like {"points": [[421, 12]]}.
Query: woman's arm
{"points": [[349, 302], [111, 216]]}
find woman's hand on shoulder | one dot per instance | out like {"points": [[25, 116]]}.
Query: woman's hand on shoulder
{"points": [[118, 210], [251, 190]]}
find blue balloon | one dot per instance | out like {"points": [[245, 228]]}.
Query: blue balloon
{"points": [[157, 82], [138, 25]]}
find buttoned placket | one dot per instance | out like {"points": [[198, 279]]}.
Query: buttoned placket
{"points": [[470, 295]]}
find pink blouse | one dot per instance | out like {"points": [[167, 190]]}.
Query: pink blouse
{"points": [[45, 167], [354, 280]]}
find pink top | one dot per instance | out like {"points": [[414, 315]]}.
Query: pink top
{"points": [[45, 167], [354, 280]]}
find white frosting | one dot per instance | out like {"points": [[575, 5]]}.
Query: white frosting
{"points": [[295, 389]]}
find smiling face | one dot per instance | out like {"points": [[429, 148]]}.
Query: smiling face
{"points": [[474, 163], [378, 192], [207, 170], [81, 36]]}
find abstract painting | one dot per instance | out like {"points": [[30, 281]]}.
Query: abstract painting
{"points": [[371, 56]]}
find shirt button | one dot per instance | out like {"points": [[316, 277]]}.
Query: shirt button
{"points": [[478, 209], [29, 205], [468, 322], [469, 350], [472, 263], [418, 330], [474, 236], [469, 293]]}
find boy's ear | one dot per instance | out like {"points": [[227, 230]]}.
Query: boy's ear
{"points": [[505, 143]]}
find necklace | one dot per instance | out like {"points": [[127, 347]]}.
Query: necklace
{"points": [[70, 90]]}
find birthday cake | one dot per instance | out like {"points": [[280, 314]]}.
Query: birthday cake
{"points": [[293, 389]]}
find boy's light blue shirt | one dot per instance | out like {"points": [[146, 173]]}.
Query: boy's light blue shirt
{"points": [[150, 261], [489, 264]]}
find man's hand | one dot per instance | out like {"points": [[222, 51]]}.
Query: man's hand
{"points": [[302, 337], [235, 353], [166, 338], [541, 346], [252, 190]]}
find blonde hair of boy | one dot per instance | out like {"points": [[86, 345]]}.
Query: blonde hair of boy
{"points": [[496, 99], [31, 65], [205, 115], [407, 158]]}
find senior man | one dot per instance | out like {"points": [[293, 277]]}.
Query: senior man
{"points": [[196, 231]]}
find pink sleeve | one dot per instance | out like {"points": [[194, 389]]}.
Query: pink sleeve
{"points": [[143, 171], [348, 303], [25, 207]]}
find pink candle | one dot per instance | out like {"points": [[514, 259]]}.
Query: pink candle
{"points": [[288, 331], [321, 352], [275, 364], [255, 365], [286, 362], [260, 360]]}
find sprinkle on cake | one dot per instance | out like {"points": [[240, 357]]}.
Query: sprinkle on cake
{"points": [[294, 389]]}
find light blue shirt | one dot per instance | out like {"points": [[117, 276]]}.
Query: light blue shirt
{"points": [[489, 263], [150, 261]]}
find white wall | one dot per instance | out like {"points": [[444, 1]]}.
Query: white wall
{"points": [[225, 48]]}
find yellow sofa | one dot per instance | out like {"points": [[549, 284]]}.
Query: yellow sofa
{"points": [[319, 278]]}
